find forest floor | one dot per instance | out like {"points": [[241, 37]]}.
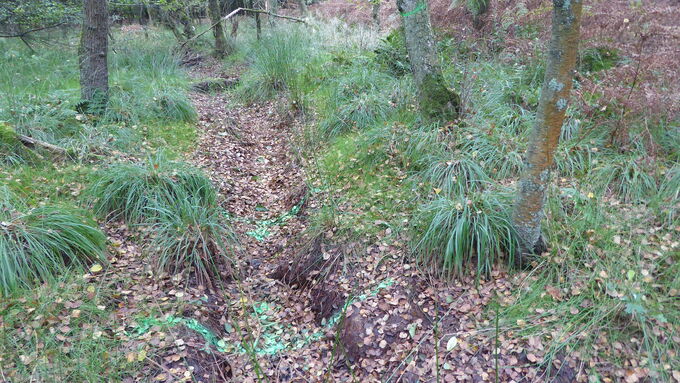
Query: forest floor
{"points": [[302, 303]]}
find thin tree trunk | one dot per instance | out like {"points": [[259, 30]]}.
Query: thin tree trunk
{"points": [[234, 27], [187, 25], [221, 45], [258, 23], [94, 74], [303, 8], [532, 190], [436, 100], [375, 13]]}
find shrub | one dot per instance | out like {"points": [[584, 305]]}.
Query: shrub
{"points": [[38, 244], [190, 235], [132, 191], [472, 230]]}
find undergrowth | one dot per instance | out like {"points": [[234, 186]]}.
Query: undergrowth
{"points": [[134, 191], [190, 236], [466, 230], [37, 245], [612, 263]]}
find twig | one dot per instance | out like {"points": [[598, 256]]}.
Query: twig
{"points": [[23, 40], [235, 12], [23, 34]]}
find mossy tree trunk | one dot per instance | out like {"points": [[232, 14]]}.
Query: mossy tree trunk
{"points": [[222, 47], [93, 50], [561, 61], [436, 100]]}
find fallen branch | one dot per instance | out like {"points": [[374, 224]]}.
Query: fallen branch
{"points": [[30, 141], [235, 12]]}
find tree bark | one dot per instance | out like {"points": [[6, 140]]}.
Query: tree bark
{"points": [[257, 4], [375, 13], [303, 8], [94, 74], [221, 45], [561, 61], [435, 99], [187, 25]]}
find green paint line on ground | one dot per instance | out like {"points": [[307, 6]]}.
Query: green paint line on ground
{"points": [[262, 228], [419, 8], [270, 340]]}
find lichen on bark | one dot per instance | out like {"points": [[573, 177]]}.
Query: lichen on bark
{"points": [[532, 187]]}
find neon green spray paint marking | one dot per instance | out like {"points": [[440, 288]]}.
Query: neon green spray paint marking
{"points": [[419, 8]]}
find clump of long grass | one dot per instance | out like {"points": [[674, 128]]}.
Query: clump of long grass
{"points": [[275, 64], [466, 232], [500, 153], [147, 83], [191, 236], [131, 191], [668, 197], [453, 175], [357, 99], [627, 176], [39, 244]]}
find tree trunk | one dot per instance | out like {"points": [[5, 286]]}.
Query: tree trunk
{"points": [[94, 73], [436, 100], [258, 23], [221, 45], [303, 8], [234, 26], [187, 25], [375, 13], [531, 195], [480, 10]]}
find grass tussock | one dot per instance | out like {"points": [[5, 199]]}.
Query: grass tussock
{"points": [[38, 245], [134, 191], [470, 232], [40, 94], [192, 237]]}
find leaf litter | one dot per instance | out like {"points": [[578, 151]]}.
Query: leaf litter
{"points": [[373, 317]]}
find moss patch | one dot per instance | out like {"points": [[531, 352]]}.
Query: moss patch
{"points": [[437, 100]]}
